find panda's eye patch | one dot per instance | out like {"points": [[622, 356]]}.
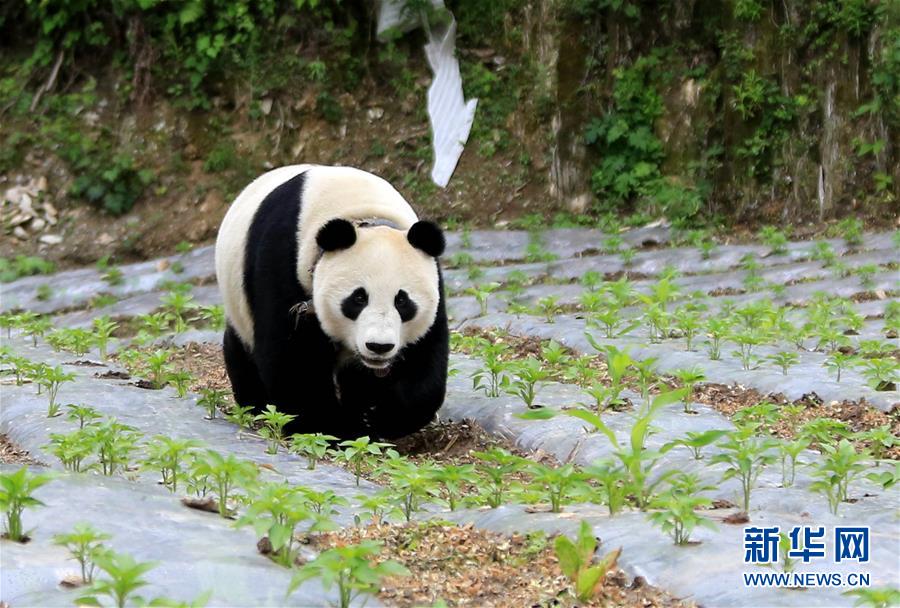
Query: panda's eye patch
{"points": [[355, 303], [406, 307]]}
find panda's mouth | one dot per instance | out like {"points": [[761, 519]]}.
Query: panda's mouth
{"points": [[380, 367]]}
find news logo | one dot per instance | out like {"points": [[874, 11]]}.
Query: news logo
{"points": [[770, 546]]}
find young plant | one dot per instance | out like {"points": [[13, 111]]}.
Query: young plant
{"points": [[213, 316], [275, 510], [746, 340], [882, 373], [452, 478], [72, 448], [181, 381], [790, 452], [124, 574], [168, 455], [359, 454], [351, 568], [241, 416], [103, 331], [746, 455], [212, 399], [526, 376], [612, 481], [549, 307], [879, 439], [273, 427], [576, 560], [211, 470], [717, 330], [157, 364], [875, 597], [497, 465], [412, 484], [689, 378], [556, 483], [114, 443], [851, 229], [688, 322], [837, 362], [312, 446], [482, 293], [491, 377], [675, 511], [695, 441], [52, 378], [784, 360], [775, 239], [16, 495], [84, 543], [841, 465]]}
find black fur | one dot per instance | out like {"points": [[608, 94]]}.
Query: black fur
{"points": [[336, 234], [405, 307], [355, 303], [294, 365], [428, 237]]}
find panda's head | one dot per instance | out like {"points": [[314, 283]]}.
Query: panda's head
{"points": [[375, 289]]}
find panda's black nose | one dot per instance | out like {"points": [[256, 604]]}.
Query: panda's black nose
{"points": [[377, 347]]}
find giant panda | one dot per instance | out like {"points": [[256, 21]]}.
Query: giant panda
{"points": [[334, 303]]}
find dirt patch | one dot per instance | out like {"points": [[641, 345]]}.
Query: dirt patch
{"points": [[859, 415], [466, 566], [725, 291], [10, 453], [205, 362]]}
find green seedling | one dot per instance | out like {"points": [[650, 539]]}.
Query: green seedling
{"points": [[213, 316], [866, 274], [496, 466], [377, 508], [73, 448], [451, 479], [556, 483], [790, 452], [351, 568], [612, 481], [688, 322], [696, 441], [275, 510], [875, 597], [168, 455], [851, 229], [210, 470], [52, 378], [764, 415], [881, 373], [576, 560], [618, 363], [689, 378], [646, 375], [637, 460], [824, 431], [240, 415], [554, 354], [491, 378], [482, 293], [83, 542], [675, 511], [212, 399], [324, 503], [581, 370], [360, 454], [411, 483], [746, 455], [83, 414], [114, 443], [775, 239], [103, 331], [273, 426], [886, 479], [312, 446], [879, 439], [16, 491], [746, 340], [36, 328], [155, 324], [549, 307], [837, 362], [157, 364], [841, 465], [526, 375], [717, 330], [784, 360], [113, 276], [180, 381], [822, 251], [591, 280], [124, 574]]}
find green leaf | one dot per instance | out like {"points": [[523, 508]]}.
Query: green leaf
{"points": [[567, 554]]}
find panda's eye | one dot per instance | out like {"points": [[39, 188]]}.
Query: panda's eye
{"points": [[406, 307], [355, 303]]}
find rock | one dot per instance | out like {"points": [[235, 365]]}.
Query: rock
{"points": [[20, 233], [163, 265], [265, 106], [580, 203], [19, 219], [49, 209], [40, 185], [374, 114], [50, 239], [25, 203], [37, 224], [105, 239]]}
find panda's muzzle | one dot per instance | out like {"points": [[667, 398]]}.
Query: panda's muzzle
{"points": [[380, 366]]}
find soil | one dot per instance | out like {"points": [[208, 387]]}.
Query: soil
{"points": [[466, 566], [10, 453]]}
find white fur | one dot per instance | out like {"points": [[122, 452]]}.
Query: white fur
{"points": [[382, 260]]}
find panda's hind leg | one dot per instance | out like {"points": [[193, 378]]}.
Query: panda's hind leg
{"points": [[246, 384]]}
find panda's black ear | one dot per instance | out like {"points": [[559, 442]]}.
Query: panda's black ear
{"points": [[428, 237], [336, 234]]}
